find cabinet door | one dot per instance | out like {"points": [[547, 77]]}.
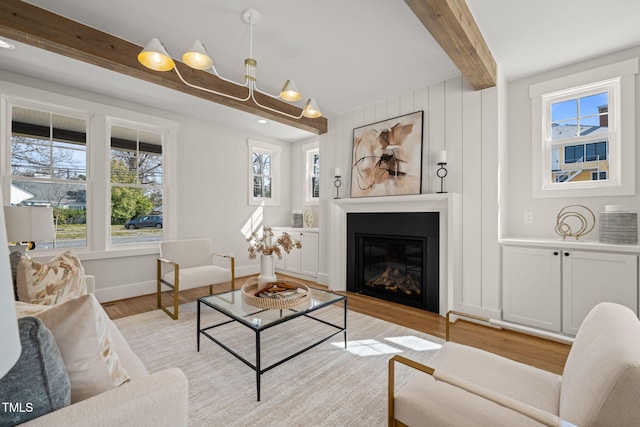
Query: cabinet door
{"points": [[592, 277], [310, 254], [531, 286], [293, 257]]}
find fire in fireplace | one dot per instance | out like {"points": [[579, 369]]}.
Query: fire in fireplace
{"points": [[394, 256]]}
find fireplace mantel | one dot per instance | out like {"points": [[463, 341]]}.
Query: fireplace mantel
{"points": [[447, 204]]}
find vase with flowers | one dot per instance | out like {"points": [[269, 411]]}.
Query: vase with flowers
{"points": [[269, 248]]}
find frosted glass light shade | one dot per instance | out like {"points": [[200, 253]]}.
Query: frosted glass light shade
{"points": [[311, 109], [155, 56], [197, 57], [290, 91], [29, 223]]}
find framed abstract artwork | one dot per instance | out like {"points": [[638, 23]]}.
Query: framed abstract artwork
{"points": [[387, 157]]}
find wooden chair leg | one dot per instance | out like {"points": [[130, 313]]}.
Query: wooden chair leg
{"points": [[233, 273], [176, 290], [158, 278]]}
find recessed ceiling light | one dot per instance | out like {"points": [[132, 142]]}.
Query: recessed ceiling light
{"points": [[6, 45], [263, 121]]}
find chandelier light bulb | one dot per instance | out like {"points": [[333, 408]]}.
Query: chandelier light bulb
{"points": [[311, 109], [290, 92], [197, 57], [155, 56]]}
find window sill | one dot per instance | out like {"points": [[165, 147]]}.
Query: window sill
{"points": [[86, 255]]}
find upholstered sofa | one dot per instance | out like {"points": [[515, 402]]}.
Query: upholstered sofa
{"points": [[156, 399], [76, 368], [600, 385]]}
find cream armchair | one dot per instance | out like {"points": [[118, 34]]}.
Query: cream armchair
{"points": [[600, 385], [187, 264]]}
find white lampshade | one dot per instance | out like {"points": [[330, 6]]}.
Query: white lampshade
{"points": [[290, 91], [197, 57], [155, 56], [9, 335], [311, 109], [29, 223]]}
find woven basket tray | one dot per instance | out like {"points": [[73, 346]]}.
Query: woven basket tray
{"points": [[298, 300]]}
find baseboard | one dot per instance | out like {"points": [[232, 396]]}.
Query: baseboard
{"points": [[298, 275], [323, 279], [247, 270], [131, 290], [479, 311]]}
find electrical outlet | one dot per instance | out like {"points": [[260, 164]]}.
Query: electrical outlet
{"points": [[528, 217]]}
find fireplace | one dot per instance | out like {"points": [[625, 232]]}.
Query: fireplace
{"points": [[395, 256]]}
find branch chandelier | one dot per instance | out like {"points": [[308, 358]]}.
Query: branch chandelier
{"points": [[155, 57]]}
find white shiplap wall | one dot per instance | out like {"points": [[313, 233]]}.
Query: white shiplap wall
{"points": [[463, 122]]}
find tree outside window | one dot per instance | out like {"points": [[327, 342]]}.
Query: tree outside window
{"points": [[49, 168], [136, 172], [264, 173], [312, 173]]}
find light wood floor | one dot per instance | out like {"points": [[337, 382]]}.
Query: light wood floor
{"points": [[544, 354]]}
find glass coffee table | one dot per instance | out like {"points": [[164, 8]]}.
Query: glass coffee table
{"points": [[232, 305]]}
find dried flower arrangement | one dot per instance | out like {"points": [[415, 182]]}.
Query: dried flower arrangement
{"points": [[265, 245]]}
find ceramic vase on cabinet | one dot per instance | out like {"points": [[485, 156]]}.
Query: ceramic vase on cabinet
{"points": [[267, 271]]}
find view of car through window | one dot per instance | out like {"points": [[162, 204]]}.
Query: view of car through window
{"points": [[144, 221]]}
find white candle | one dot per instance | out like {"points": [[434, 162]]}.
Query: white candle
{"points": [[337, 172], [443, 157]]}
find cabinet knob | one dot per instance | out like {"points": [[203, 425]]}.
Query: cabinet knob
{"points": [[555, 253], [566, 254]]}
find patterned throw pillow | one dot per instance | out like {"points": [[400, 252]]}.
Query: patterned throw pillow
{"points": [[38, 383], [80, 328], [55, 282]]}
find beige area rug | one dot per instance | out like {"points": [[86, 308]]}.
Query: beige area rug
{"points": [[325, 386]]}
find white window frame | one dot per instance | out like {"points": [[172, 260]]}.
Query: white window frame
{"points": [[275, 151], [308, 151], [98, 194], [612, 88], [8, 103], [619, 81], [140, 127]]}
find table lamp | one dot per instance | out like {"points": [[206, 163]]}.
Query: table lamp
{"points": [[28, 224], [9, 336]]}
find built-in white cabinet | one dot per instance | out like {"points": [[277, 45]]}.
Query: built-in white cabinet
{"points": [[554, 287], [301, 262], [592, 277], [531, 293]]}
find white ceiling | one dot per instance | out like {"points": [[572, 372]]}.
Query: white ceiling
{"points": [[345, 54]]}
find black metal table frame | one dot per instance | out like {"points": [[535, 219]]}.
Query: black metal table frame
{"points": [[257, 367]]}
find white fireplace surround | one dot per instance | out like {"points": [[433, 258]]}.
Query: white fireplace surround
{"points": [[447, 204]]}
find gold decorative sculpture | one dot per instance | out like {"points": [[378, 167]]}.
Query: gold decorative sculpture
{"points": [[575, 221]]}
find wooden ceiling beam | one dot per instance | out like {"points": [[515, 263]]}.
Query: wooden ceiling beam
{"points": [[451, 23], [23, 22]]}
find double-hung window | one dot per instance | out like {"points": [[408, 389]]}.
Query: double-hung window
{"points": [[312, 173], [583, 133], [95, 168], [264, 176], [136, 173], [48, 167], [580, 130]]}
